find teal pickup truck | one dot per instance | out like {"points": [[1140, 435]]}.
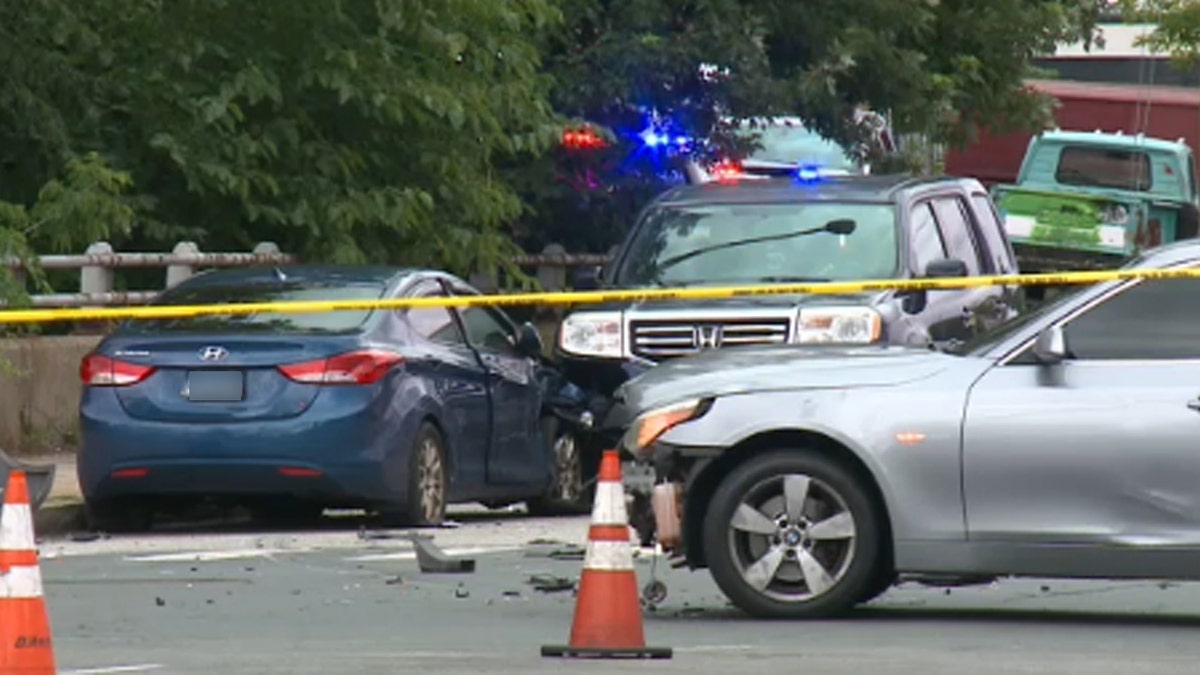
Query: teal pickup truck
{"points": [[1087, 200]]}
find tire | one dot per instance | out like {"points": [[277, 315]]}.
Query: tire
{"points": [[117, 515], [842, 558], [425, 502], [570, 491]]}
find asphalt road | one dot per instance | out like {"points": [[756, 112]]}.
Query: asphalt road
{"points": [[223, 600]]}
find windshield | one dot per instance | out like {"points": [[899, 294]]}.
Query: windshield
{"points": [[342, 321], [736, 243], [798, 145]]}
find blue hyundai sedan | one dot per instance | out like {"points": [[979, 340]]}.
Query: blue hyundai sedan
{"points": [[397, 411]]}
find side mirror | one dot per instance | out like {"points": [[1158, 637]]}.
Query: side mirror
{"points": [[946, 267], [1051, 346], [586, 278], [529, 341]]}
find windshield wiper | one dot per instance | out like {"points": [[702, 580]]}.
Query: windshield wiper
{"points": [[840, 227]]}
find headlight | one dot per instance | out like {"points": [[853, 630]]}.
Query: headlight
{"points": [[651, 425], [591, 334], [853, 325]]}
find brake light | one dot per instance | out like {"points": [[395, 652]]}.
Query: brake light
{"points": [[360, 367], [726, 171], [96, 370]]}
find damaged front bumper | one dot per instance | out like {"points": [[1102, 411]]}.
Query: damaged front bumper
{"points": [[656, 487]]}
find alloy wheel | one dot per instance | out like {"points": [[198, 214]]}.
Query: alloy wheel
{"points": [[792, 537], [431, 479]]}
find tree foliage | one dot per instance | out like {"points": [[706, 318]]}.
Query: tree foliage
{"points": [[424, 131], [941, 68], [1177, 30], [343, 130]]}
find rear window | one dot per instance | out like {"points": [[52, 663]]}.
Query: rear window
{"points": [[1104, 167], [342, 321]]}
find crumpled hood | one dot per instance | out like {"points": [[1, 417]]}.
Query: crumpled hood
{"points": [[723, 372]]}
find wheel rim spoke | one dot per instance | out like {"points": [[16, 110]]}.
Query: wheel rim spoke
{"points": [[840, 526], [760, 574], [795, 492], [749, 519], [815, 576]]}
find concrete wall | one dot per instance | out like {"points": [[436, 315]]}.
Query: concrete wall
{"points": [[39, 392]]}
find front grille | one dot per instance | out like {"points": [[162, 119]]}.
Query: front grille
{"points": [[666, 338]]}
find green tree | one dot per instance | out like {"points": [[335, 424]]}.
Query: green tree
{"points": [[941, 68], [1177, 30], [343, 130]]}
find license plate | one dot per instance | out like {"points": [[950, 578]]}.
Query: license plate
{"points": [[215, 385]]}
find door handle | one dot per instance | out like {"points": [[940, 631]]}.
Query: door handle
{"points": [[1194, 404]]}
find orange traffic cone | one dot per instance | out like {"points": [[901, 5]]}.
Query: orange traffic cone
{"points": [[24, 624], [608, 616]]}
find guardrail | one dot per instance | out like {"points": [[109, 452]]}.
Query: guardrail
{"points": [[98, 263]]}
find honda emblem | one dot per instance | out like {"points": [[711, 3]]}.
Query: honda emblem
{"points": [[706, 337]]}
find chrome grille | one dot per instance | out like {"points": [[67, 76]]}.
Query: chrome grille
{"points": [[666, 338]]}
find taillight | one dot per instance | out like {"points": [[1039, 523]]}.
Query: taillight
{"points": [[361, 367], [726, 171], [97, 370]]}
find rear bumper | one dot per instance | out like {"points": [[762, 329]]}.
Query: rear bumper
{"points": [[343, 457]]}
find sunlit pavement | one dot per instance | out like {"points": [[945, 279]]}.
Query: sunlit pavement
{"points": [[343, 600]]}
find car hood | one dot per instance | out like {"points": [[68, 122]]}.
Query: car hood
{"points": [[782, 301], [740, 370]]}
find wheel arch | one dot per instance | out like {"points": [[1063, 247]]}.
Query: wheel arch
{"points": [[707, 477]]}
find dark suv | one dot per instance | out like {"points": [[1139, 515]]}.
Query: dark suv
{"points": [[792, 230]]}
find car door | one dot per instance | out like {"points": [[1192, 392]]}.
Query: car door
{"points": [[1101, 450], [516, 455], [453, 377], [942, 313], [999, 258], [978, 307]]}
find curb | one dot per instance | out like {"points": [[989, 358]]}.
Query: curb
{"points": [[58, 518]]}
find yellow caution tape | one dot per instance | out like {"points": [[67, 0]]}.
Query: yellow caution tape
{"points": [[25, 316]]}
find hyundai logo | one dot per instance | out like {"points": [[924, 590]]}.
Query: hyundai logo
{"points": [[706, 337], [213, 353]]}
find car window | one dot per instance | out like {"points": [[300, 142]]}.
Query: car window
{"points": [[1104, 167], [957, 232], [435, 324], [487, 331], [927, 242], [993, 233], [1154, 319], [339, 321]]}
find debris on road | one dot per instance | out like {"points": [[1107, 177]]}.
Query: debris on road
{"points": [[373, 535], [461, 592], [549, 583], [159, 601], [432, 559]]}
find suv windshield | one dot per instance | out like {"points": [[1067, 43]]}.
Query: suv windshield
{"points": [[341, 321], [798, 145], [732, 243]]}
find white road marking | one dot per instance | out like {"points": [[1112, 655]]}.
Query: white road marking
{"points": [[114, 669], [210, 556], [412, 555]]}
